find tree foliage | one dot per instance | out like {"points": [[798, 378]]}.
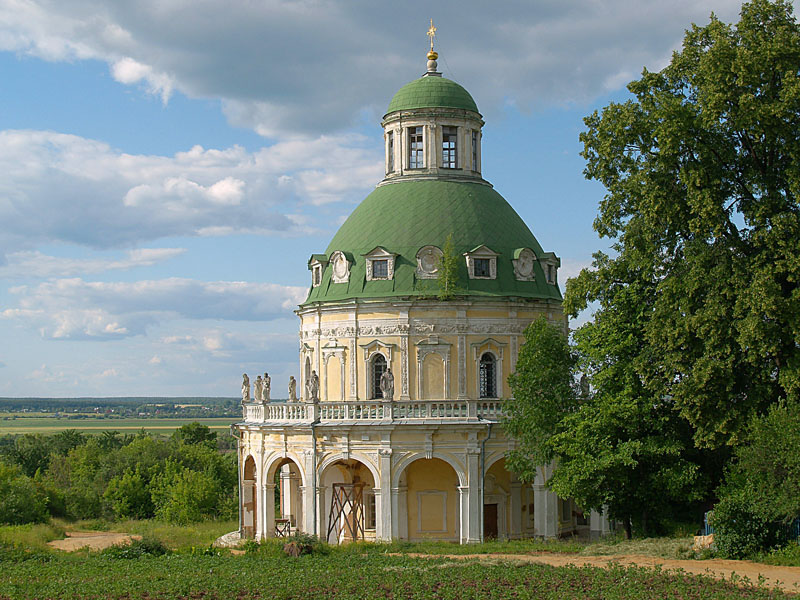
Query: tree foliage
{"points": [[761, 494], [702, 172], [181, 479], [616, 450], [447, 275]]}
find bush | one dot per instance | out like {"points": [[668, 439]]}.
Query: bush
{"points": [[21, 499], [740, 527], [147, 546]]}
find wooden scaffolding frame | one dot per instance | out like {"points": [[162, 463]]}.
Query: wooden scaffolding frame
{"points": [[347, 496]]}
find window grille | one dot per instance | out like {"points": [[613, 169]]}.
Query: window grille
{"points": [[416, 156], [378, 368], [449, 147], [488, 387], [390, 143], [380, 269], [474, 150], [481, 267]]}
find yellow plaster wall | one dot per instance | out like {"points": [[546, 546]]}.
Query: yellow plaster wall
{"points": [[333, 379], [427, 481], [433, 377]]}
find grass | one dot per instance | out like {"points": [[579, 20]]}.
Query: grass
{"points": [[47, 425], [661, 547], [33, 536], [344, 575], [175, 537], [491, 547]]}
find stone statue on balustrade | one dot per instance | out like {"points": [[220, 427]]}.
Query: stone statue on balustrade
{"points": [[265, 389], [258, 389], [245, 388], [312, 388], [292, 389], [387, 385]]}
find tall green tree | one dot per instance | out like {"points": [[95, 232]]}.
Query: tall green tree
{"points": [[614, 447], [702, 172]]}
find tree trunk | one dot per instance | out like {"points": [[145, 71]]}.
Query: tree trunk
{"points": [[644, 522], [628, 534]]}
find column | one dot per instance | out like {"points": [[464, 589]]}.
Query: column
{"points": [[462, 367], [474, 505], [269, 510], [545, 507], [383, 501], [516, 511], [400, 512], [598, 525], [322, 512]]}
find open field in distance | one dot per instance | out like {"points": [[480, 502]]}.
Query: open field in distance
{"points": [[50, 424]]}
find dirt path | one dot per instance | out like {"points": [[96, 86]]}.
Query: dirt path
{"points": [[783, 578], [95, 540]]}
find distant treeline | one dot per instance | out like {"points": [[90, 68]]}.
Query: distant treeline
{"points": [[133, 406]]}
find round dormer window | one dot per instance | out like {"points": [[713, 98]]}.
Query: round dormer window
{"points": [[341, 267], [428, 261], [525, 263]]}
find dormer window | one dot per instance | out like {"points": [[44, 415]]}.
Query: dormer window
{"points": [[317, 264], [550, 264], [380, 264], [449, 147], [416, 154], [482, 263]]}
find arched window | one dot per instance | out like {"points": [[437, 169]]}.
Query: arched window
{"points": [[488, 371], [378, 368]]}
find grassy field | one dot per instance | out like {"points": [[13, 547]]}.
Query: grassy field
{"points": [[339, 575], [50, 424]]}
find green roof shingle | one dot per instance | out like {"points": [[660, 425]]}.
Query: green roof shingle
{"points": [[432, 92], [404, 217]]}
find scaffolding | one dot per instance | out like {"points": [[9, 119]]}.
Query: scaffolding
{"points": [[347, 511]]}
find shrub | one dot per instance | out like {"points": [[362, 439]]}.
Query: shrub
{"points": [[21, 499], [147, 546], [740, 527]]}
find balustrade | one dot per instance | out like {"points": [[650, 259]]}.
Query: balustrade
{"points": [[374, 410]]}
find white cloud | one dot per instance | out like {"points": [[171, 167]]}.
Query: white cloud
{"points": [[129, 71], [289, 67], [64, 188], [36, 264], [70, 309]]}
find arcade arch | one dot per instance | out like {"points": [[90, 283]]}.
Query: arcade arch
{"points": [[355, 510]]}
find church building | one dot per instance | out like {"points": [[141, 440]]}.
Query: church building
{"points": [[413, 322]]}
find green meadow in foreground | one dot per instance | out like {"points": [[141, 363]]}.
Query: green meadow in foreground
{"points": [[265, 573]]}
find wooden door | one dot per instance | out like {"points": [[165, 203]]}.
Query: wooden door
{"points": [[489, 521]]}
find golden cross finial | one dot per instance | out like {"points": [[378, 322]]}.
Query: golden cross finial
{"points": [[432, 34]]}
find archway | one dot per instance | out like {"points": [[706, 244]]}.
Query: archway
{"points": [[339, 520], [248, 506], [428, 496], [286, 505]]}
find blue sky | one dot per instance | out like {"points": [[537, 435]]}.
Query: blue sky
{"points": [[168, 166]]}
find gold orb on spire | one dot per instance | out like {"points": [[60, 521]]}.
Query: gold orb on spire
{"points": [[432, 55]]}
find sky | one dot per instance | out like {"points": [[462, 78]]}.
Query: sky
{"points": [[167, 167]]}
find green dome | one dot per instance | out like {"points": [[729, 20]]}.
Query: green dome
{"points": [[432, 92], [404, 217]]}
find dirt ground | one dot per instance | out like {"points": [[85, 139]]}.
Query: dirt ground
{"points": [[783, 578], [95, 540]]}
